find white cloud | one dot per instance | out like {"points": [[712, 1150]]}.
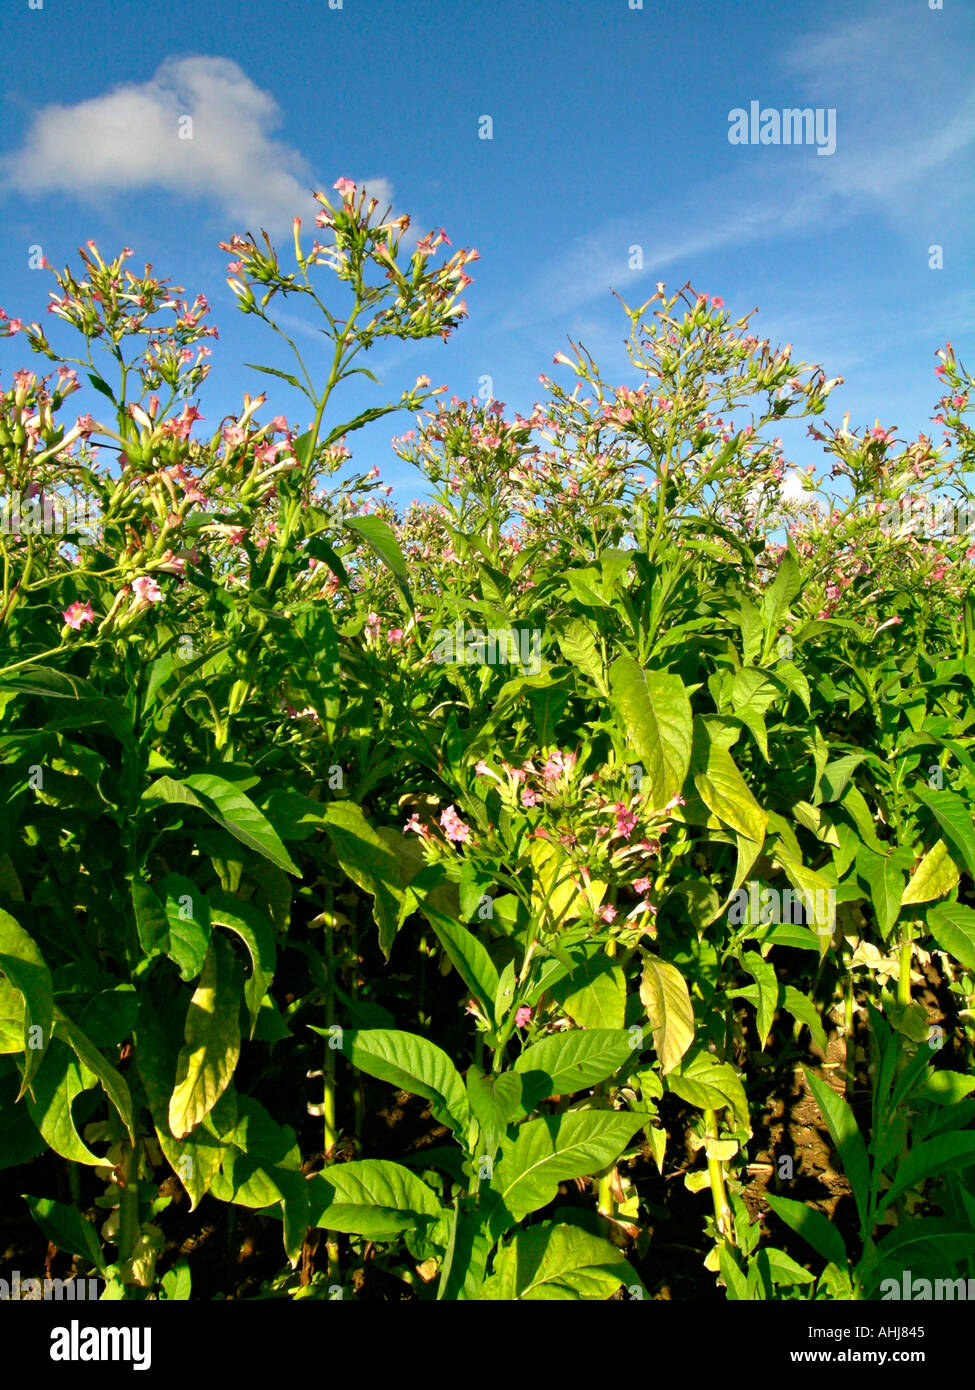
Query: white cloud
{"points": [[129, 139]]}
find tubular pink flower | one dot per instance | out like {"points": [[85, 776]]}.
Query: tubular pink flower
{"points": [[453, 827], [77, 613]]}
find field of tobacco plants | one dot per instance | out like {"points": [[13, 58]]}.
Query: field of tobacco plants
{"points": [[559, 889]]}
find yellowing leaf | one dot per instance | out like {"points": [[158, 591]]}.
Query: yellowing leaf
{"points": [[212, 1032], [936, 875], [668, 1004]]}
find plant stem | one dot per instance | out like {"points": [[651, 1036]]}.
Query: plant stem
{"points": [[722, 1211]]}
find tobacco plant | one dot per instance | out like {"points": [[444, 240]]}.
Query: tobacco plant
{"points": [[495, 801]]}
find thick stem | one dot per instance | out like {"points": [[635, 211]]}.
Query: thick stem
{"points": [[904, 974], [722, 1211]]}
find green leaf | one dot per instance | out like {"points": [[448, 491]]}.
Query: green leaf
{"points": [[816, 1229], [723, 789], [935, 876], [188, 920], [847, 1138], [663, 991], [380, 538], [494, 1102], [954, 816], [371, 1197], [554, 1149], [369, 862], [785, 1271], [577, 642], [284, 376], [66, 1228], [467, 955], [781, 592], [573, 1061], [113, 1083], [763, 973], [801, 1007], [930, 1157], [26, 969], [557, 1263], [257, 933], [411, 1064], [703, 1081], [594, 993], [229, 807], [56, 1086], [953, 928], [884, 876], [208, 1059], [102, 386], [656, 714]]}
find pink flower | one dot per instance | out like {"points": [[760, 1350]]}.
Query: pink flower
{"points": [[522, 1016], [77, 613], [395, 635], [482, 769], [453, 827], [345, 187], [146, 588], [625, 821], [414, 824], [372, 625], [607, 913], [642, 885], [528, 797]]}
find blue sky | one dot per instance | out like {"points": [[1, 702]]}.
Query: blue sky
{"points": [[610, 129]]}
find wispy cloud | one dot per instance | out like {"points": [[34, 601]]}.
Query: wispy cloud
{"points": [[138, 137]]}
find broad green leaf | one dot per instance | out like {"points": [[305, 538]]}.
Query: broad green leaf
{"points": [[801, 1007], [847, 1139], [257, 933], [468, 957], [723, 789], [229, 807], [953, 928], [577, 642], [411, 1064], [813, 1226], [558, 895], [785, 1271], [11, 1018], [188, 919], [557, 1263], [763, 973], [494, 1102], [663, 991], [195, 1160], [884, 876], [656, 715], [935, 876], [703, 1081], [55, 1088], [371, 1197], [369, 862], [594, 994], [575, 1060], [66, 1228], [379, 536], [26, 969], [208, 1059], [112, 1081], [554, 1149], [932, 1156], [780, 593], [954, 814]]}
